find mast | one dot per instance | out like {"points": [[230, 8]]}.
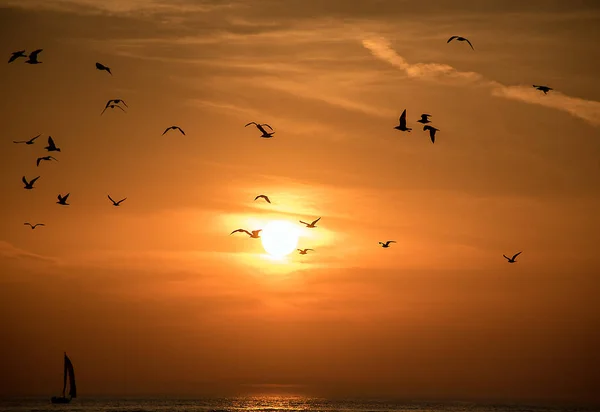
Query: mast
{"points": [[65, 375]]}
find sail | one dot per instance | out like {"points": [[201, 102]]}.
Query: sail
{"points": [[71, 371], [65, 375]]}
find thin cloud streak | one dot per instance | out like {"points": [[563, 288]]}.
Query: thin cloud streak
{"points": [[587, 110]]}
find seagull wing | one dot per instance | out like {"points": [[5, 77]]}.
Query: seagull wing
{"points": [[25, 180], [451, 38], [116, 105], [27, 223], [262, 129], [38, 161], [40, 224], [35, 137], [315, 221], [182, 132], [301, 221], [66, 197], [264, 124], [34, 53], [517, 254], [309, 249], [33, 180], [111, 199], [507, 258], [51, 142], [20, 141], [166, 130], [467, 40], [250, 124], [241, 230], [121, 200], [403, 119]]}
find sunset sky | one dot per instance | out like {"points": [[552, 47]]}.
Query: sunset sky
{"points": [[155, 296]]}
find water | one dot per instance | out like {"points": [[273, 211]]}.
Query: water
{"points": [[264, 404]]}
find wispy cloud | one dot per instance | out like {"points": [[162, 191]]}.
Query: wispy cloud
{"points": [[9, 251], [588, 110]]}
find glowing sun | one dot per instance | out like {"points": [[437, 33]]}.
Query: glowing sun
{"points": [[280, 238]]}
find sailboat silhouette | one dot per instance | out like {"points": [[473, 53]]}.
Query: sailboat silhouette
{"points": [[68, 370]]}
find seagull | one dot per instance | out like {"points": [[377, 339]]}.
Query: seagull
{"points": [[387, 244], [51, 146], [303, 251], [16, 55], [44, 158], [402, 125], [33, 57], [459, 38], [260, 127], [33, 226], [254, 233], [264, 197], [116, 203], [100, 66], [512, 259], [310, 224], [115, 101], [29, 185], [424, 118], [30, 141], [112, 106], [432, 131], [62, 200], [545, 89], [174, 128]]}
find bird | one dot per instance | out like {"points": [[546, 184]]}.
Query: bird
{"points": [[16, 55], [432, 131], [254, 234], [312, 224], [424, 118], [29, 185], [402, 125], [33, 226], [260, 127], [39, 159], [116, 101], [111, 106], [33, 57], [100, 66], [303, 251], [174, 128], [30, 141], [545, 89], [459, 38], [512, 259], [116, 203], [62, 200], [51, 145], [386, 244], [264, 197]]}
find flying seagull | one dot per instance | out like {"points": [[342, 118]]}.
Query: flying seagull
{"points": [[33, 57], [402, 125], [30, 141], [424, 118], [16, 55], [512, 259], [62, 200], [432, 131], [39, 159], [303, 251], [115, 101], [174, 128], [314, 222], [100, 66], [111, 106], [51, 146], [264, 197], [254, 234], [116, 203], [387, 244], [29, 185], [33, 226], [545, 89], [459, 38], [260, 127]]}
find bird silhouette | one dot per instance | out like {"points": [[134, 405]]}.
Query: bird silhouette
{"points": [[100, 66], [51, 145], [29, 185], [174, 128], [264, 197], [254, 234], [33, 226], [62, 200], [312, 224], [432, 131], [39, 159], [260, 127], [16, 55], [424, 118], [303, 251], [459, 38], [402, 126], [30, 141], [386, 244], [512, 259], [116, 203], [116, 102], [111, 106], [545, 89], [33, 57]]}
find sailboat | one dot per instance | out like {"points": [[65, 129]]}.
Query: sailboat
{"points": [[72, 388]]}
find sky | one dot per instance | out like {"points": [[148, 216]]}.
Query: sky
{"points": [[156, 297]]}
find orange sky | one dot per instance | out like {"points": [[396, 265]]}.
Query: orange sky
{"points": [[155, 297]]}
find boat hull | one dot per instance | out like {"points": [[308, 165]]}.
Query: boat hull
{"points": [[60, 399]]}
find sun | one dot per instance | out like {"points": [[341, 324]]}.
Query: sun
{"points": [[280, 238]]}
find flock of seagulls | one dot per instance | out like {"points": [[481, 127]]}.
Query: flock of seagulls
{"points": [[32, 58]]}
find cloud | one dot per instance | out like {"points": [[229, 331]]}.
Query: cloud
{"points": [[587, 110], [9, 251]]}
